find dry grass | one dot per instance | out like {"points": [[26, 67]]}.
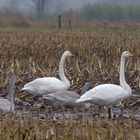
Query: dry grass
{"points": [[35, 54], [14, 21], [46, 127], [30, 55]]}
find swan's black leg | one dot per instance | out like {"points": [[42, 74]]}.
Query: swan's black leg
{"points": [[122, 117], [99, 112], [109, 113]]}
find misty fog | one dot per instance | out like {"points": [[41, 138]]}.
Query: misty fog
{"points": [[26, 6], [29, 8]]}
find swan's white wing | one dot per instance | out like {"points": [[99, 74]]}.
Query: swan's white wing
{"points": [[5, 105], [105, 94], [45, 85]]}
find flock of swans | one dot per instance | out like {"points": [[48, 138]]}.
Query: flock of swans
{"points": [[56, 90]]}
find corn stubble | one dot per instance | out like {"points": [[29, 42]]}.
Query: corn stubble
{"points": [[97, 55], [85, 128]]}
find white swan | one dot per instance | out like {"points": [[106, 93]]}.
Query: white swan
{"points": [[66, 98], [109, 94], [47, 85], [7, 105]]}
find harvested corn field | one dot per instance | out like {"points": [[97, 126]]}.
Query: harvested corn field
{"points": [[30, 55]]}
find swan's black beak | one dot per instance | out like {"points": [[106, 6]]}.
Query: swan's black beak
{"points": [[73, 55]]}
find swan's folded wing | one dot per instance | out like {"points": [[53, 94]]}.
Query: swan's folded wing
{"points": [[64, 96], [44, 85], [45, 81]]}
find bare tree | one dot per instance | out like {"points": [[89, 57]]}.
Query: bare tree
{"points": [[13, 5], [40, 7]]}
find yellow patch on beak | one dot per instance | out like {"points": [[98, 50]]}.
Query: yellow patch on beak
{"points": [[130, 54]]}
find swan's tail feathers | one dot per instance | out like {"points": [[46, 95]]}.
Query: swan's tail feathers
{"points": [[24, 89], [79, 101], [48, 98], [84, 100]]}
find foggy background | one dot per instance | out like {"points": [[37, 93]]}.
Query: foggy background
{"points": [[88, 9], [27, 7]]}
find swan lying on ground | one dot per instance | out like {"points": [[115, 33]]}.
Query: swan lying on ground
{"points": [[66, 98], [109, 94], [7, 105], [47, 85]]}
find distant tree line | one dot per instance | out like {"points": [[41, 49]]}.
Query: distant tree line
{"points": [[111, 11]]}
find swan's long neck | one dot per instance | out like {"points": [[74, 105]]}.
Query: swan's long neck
{"points": [[11, 98], [122, 76], [11, 91], [61, 71], [86, 87]]}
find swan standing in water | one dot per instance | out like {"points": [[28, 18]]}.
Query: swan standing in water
{"points": [[109, 94], [66, 98], [7, 105], [47, 85]]}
